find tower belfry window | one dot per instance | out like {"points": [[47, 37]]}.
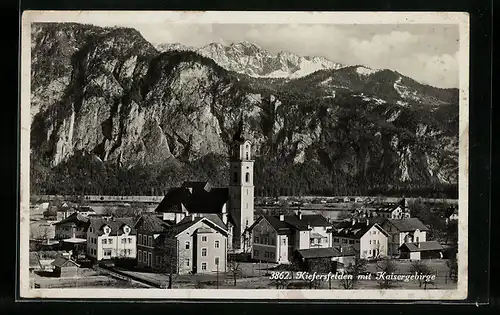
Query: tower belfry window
{"points": [[247, 156], [247, 177]]}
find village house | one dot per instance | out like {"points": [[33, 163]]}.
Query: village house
{"points": [[150, 253], [65, 268], [404, 231], [337, 257], [393, 211], [275, 238], [196, 244], [368, 238], [111, 238], [421, 250], [72, 232], [234, 204]]}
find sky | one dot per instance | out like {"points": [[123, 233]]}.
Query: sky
{"points": [[427, 53]]}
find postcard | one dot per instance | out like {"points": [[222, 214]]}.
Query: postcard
{"points": [[244, 155]]}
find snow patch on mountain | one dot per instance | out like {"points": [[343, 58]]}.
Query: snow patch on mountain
{"points": [[364, 71]]}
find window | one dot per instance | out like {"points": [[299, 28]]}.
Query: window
{"points": [[344, 241], [187, 245], [187, 262], [128, 251], [158, 260], [107, 252], [124, 240], [203, 252], [104, 241], [284, 241], [247, 191], [140, 239], [150, 241], [266, 254], [216, 261], [417, 239], [351, 241], [336, 240], [203, 238], [370, 252], [357, 241], [272, 255], [216, 245], [256, 252], [149, 259], [203, 266], [266, 240], [247, 177], [247, 155], [256, 239], [144, 257], [370, 242], [129, 240]]}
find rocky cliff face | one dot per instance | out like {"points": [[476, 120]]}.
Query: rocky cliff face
{"points": [[247, 58], [110, 93]]}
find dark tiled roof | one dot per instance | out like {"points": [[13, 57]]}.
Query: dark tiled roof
{"points": [[152, 223], [116, 225], [324, 252], [422, 246], [201, 199], [312, 220], [281, 227], [75, 218], [408, 225], [347, 229], [63, 262]]}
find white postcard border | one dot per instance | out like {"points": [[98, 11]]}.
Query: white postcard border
{"points": [[460, 18]]}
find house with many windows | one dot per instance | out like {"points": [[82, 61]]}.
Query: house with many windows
{"points": [[196, 244], [109, 238], [275, 238], [369, 239], [150, 228]]}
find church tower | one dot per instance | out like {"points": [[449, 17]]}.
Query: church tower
{"points": [[241, 189]]}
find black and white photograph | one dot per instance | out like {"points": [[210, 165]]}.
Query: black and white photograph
{"points": [[244, 155]]}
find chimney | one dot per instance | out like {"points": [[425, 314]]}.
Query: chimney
{"points": [[177, 218], [353, 221], [340, 249], [282, 217], [367, 222], [299, 213], [224, 218], [192, 217]]}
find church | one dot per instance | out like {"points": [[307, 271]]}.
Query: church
{"points": [[230, 207]]}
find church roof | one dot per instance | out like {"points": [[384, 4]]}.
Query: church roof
{"points": [[195, 197]]}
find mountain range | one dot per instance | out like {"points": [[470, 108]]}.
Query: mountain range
{"points": [[111, 113], [247, 58]]}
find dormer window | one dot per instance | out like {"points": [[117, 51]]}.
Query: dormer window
{"points": [[107, 230], [126, 229]]}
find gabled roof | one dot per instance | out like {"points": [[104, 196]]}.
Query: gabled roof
{"points": [[64, 262], [196, 197], [292, 222], [116, 225], [151, 223], [188, 221], [422, 246], [356, 231], [75, 218], [408, 225], [324, 252]]}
